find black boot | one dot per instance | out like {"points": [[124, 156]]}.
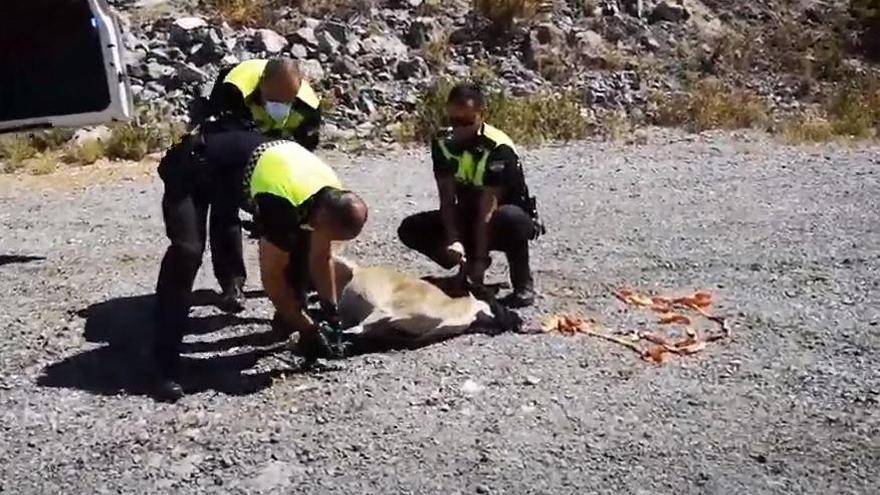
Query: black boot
{"points": [[166, 387], [232, 298], [521, 279]]}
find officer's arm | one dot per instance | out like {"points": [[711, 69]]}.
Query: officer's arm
{"points": [[227, 101], [487, 206], [308, 132], [446, 193], [321, 267], [273, 267]]}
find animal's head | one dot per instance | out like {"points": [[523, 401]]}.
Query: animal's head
{"points": [[344, 269], [492, 314]]}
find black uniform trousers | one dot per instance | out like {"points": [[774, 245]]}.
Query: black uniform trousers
{"points": [[510, 230], [195, 192]]}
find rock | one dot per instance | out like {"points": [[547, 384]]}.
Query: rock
{"points": [[669, 11], [346, 65], [339, 31], [592, 47], [419, 32], [532, 380], [269, 41], [306, 36], [545, 41], [190, 74], [327, 44], [272, 477], [154, 71], [471, 387], [409, 69], [312, 70], [353, 47], [184, 31], [299, 51], [388, 45], [100, 133], [634, 8]]}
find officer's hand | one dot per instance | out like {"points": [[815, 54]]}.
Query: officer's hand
{"points": [[456, 252], [476, 270]]}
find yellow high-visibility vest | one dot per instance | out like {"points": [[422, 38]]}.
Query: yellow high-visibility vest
{"points": [[470, 169], [287, 170], [246, 77]]}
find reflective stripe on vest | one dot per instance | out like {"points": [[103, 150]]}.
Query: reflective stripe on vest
{"points": [[471, 171], [246, 77], [289, 171]]}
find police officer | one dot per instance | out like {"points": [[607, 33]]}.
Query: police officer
{"points": [[272, 97], [484, 201], [301, 206]]}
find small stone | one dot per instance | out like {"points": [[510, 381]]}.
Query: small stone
{"points": [[327, 43], [312, 70], [190, 74], [532, 380], [299, 51], [306, 36], [409, 69], [482, 489], [471, 387], [269, 41], [669, 11]]}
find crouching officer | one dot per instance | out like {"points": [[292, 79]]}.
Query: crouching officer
{"points": [[484, 201], [272, 97], [301, 206]]}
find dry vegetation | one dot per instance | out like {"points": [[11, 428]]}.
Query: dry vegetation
{"points": [[39, 153], [528, 120], [709, 104], [503, 13]]}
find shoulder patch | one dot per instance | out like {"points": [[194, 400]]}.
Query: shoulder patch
{"points": [[307, 95]]}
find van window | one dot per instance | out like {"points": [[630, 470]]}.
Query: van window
{"points": [[51, 60]]}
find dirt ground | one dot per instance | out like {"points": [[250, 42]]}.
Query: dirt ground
{"points": [[786, 239]]}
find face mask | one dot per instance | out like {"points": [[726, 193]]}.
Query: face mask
{"points": [[278, 111]]}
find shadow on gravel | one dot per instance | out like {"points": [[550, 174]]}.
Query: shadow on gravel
{"points": [[9, 259], [124, 365]]}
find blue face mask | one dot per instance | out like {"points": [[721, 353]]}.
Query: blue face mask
{"points": [[277, 110]]}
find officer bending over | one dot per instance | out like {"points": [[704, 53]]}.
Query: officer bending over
{"points": [[301, 207], [272, 97], [484, 201]]}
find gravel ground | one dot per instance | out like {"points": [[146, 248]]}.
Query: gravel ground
{"points": [[787, 239]]}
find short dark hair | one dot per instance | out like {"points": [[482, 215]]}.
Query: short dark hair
{"points": [[345, 206], [467, 93], [276, 66]]}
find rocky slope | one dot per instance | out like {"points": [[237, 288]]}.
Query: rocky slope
{"points": [[373, 58]]}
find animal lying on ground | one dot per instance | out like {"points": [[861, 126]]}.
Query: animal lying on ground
{"points": [[382, 308]]}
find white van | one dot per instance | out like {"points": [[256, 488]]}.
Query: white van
{"points": [[61, 65]]}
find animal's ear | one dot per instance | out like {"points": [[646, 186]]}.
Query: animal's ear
{"points": [[344, 269]]}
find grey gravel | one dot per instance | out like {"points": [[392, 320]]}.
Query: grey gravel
{"points": [[787, 238]]}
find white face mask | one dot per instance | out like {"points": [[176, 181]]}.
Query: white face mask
{"points": [[278, 111]]}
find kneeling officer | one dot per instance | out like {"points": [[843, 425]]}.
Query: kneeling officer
{"points": [[484, 201], [301, 207]]}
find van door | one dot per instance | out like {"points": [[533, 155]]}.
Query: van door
{"points": [[61, 65]]}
